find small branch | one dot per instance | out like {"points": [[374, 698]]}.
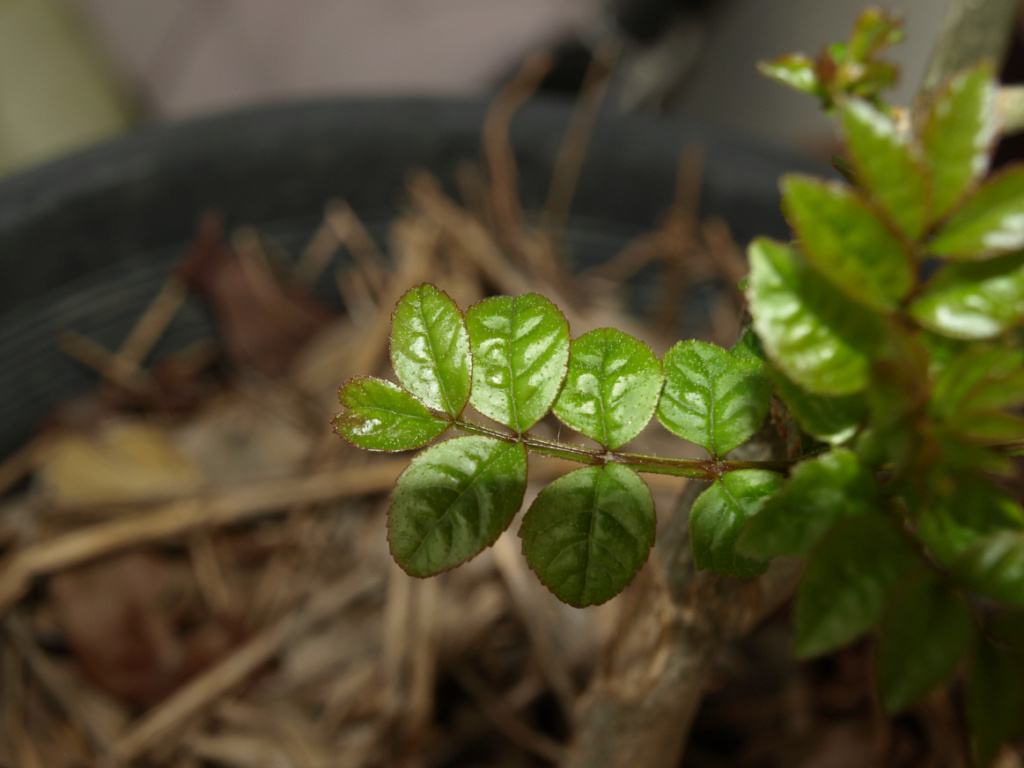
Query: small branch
{"points": [[973, 30], [700, 469]]}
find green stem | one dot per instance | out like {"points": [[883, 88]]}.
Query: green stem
{"points": [[702, 469]]}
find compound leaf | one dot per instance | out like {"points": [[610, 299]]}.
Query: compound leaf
{"points": [[589, 532], [520, 353], [381, 416], [994, 566], [990, 223], [847, 243], [430, 349], [719, 514], [995, 700], [886, 165], [847, 582], [812, 332], [711, 397], [611, 387], [925, 631], [957, 135], [453, 501], [974, 300], [820, 492]]}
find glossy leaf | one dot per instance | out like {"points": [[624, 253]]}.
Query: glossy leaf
{"points": [[430, 349], [711, 397], [994, 567], [453, 501], [995, 700], [848, 580], [520, 353], [886, 165], [381, 416], [990, 223], [847, 243], [976, 300], [958, 132], [719, 514], [589, 532], [795, 71], [820, 492], [831, 419], [969, 508], [925, 631], [611, 387], [812, 332]]}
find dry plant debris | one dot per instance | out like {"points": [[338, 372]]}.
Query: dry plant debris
{"points": [[197, 574]]}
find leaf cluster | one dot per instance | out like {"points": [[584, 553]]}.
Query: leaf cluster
{"points": [[891, 326]]}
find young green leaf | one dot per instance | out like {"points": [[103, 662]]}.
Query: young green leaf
{"points": [[975, 300], [719, 514], [611, 387], [847, 582], [886, 165], [831, 419], [994, 567], [589, 532], [990, 223], [430, 349], [875, 29], [847, 243], [820, 492], [381, 416], [453, 501], [520, 353], [958, 132], [711, 397], [995, 700], [796, 71], [970, 508], [925, 631], [812, 332]]}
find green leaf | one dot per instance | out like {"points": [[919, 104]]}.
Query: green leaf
{"points": [[975, 300], [381, 416], [711, 397], [812, 332], [795, 70], [990, 223], [847, 582], [453, 501], [719, 514], [876, 29], [430, 349], [958, 132], [886, 165], [820, 492], [828, 418], [847, 243], [611, 387], [967, 509], [994, 567], [995, 700], [589, 532], [925, 631], [520, 354]]}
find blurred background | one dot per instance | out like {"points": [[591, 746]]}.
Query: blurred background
{"points": [[73, 72]]}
